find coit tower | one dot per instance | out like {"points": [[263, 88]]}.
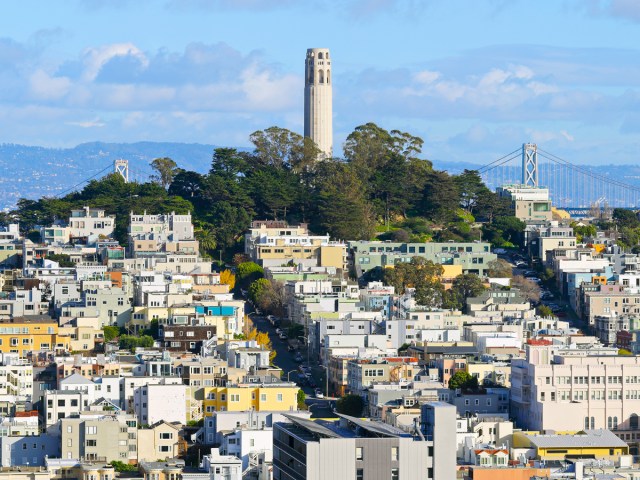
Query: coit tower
{"points": [[318, 99]]}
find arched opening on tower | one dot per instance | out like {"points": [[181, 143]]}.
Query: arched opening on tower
{"points": [[320, 76], [326, 55], [328, 76], [319, 55], [310, 75]]}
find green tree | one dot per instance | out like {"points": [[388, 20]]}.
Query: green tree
{"points": [[470, 186], [247, 273], [421, 274], [131, 342], [544, 311], [582, 231], [463, 380], [625, 218], [504, 231], [206, 237], [350, 404], [110, 332], [341, 208], [165, 169], [500, 268], [283, 148], [440, 197], [119, 466], [464, 286], [301, 397], [267, 295]]}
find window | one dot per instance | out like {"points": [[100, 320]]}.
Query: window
{"points": [[91, 430], [359, 473], [164, 448], [92, 443], [395, 474], [394, 454], [359, 453], [279, 397], [166, 436]]}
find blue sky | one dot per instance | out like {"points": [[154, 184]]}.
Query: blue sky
{"points": [[474, 78]]}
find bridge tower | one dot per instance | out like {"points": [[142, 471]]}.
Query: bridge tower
{"points": [[122, 167], [530, 164]]}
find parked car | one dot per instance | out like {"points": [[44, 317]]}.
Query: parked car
{"points": [[319, 393], [283, 336], [298, 358], [291, 348]]}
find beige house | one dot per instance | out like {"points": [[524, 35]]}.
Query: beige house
{"points": [[529, 204], [275, 243], [83, 333], [99, 437], [607, 300], [160, 441]]}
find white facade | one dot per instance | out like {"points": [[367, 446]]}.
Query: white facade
{"points": [[562, 388], [318, 100], [161, 402], [91, 223], [132, 385]]}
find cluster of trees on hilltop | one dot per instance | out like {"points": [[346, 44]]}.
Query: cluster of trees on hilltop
{"points": [[380, 186]]}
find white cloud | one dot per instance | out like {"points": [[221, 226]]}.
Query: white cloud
{"points": [[45, 87], [96, 122], [95, 58]]}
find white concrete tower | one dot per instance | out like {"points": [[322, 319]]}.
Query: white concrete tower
{"points": [[318, 99]]}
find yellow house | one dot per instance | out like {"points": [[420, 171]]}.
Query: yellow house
{"points": [[34, 333], [83, 332], [499, 373], [599, 444], [274, 397]]}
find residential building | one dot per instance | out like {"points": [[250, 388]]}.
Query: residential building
{"points": [[351, 448], [274, 243], [102, 436], [158, 441], [529, 204], [600, 444], [277, 396], [575, 387], [153, 403], [37, 333]]}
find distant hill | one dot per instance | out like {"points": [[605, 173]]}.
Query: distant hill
{"points": [[33, 172]]}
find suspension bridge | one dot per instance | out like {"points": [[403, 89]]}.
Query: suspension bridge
{"points": [[573, 188]]}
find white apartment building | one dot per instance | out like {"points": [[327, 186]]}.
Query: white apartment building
{"points": [[91, 223], [561, 388], [16, 377], [153, 403], [179, 227]]}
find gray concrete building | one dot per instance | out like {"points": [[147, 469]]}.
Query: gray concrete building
{"points": [[351, 448], [439, 424]]}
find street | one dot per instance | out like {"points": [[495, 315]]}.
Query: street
{"points": [[319, 407]]}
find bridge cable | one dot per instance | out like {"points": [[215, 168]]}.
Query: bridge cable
{"points": [[64, 192]]}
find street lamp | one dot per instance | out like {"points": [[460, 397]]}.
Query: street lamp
{"points": [[289, 373]]}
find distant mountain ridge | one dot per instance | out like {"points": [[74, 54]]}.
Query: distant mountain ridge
{"points": [[33, 172]]}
